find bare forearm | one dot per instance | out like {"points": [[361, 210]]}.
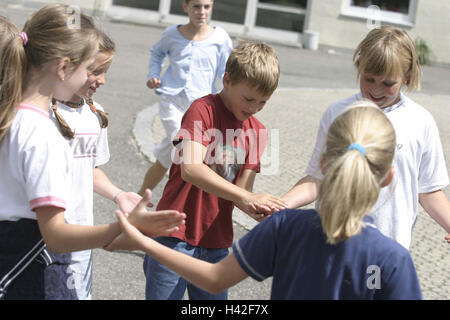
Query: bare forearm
{"points": [[103, 186], [305, 191], [205, 178], [436, 204], [69, 238], [212, 277]]}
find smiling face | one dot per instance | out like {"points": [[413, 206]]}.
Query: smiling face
{"points": [[384, 92], [199, 11], [71, 81], [241, 99], [96, 76]]}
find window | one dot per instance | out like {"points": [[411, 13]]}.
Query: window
{"points": [[400, 12], [286, 15], [141, 4]]}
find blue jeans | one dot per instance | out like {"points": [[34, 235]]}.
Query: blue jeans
{"points": [[164, 284]]}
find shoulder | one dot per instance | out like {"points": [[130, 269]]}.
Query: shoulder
{"points": [[336, 108], [220, 32], [171, 29], [296, 219], [418, 111], [205, 103], [201, 109], [254, 123]]}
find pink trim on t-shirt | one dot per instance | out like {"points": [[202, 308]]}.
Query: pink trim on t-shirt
{"points": [[49, 201], [31, 107]]}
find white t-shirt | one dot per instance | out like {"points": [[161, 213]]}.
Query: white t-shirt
{"points": [[90, 149], [35, 163], [419, 164]]}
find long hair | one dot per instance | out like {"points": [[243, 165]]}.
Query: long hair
{"points": [[352, 180], [8, 30], [50, 37]]}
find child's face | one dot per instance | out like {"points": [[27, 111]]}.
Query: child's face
{"points": [[96, 77], [384, 92], [73, 81], [242, 99], [199, 11]]}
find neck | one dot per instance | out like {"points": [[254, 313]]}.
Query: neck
{"points": [[38, 92], [197, 33], [76, 99]]}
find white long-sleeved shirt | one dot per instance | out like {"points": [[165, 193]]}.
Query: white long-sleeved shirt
{"points": [[194, 66]]}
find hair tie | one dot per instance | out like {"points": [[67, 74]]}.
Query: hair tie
{"points": [[24, 37], [357, 146]]}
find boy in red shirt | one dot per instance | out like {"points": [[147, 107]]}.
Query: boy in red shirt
{"points": [[218, 155]]}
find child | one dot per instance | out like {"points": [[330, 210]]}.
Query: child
{"points": [[336, 253], [49, 58], [251, 76], [386, 61], [84, 122], [197, 54]]}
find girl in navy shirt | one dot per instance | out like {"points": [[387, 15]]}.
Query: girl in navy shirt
{"points": [[336, 253]]}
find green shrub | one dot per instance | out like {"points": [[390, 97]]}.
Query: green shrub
{"points": [[423, 51]]}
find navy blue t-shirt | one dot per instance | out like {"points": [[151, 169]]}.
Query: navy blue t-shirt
{"points": [[291, 246]]}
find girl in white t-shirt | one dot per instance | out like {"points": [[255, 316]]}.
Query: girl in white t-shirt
{"points": [[50, 58], [386, 61], [84, 123]]}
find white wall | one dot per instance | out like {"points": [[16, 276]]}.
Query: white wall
{"points": [[432, 23]]}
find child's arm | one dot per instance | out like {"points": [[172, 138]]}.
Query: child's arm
{"points": [[213, 278], [246, 181], [157, 56], [437, 206], [305, 191], [105, 188], [194, 171], [60, 236]]}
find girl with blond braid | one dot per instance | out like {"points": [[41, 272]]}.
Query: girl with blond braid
{"points": [[84, 123], [335, 253], [48, 59]]}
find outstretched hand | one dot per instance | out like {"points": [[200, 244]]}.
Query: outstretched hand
{"points": [[127, 201], [447, 238], [155, 223]]}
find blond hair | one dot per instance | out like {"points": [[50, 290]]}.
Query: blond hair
{"points": [[50, 37], [352, 180], [8, 30], [105, 45], [255, 63], [388, 51]]}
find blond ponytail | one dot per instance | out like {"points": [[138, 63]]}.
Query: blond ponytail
{"points": [[352, 180], [14, 66]]}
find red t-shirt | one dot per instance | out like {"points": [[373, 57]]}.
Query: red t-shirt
{"points": [[232, 146]]}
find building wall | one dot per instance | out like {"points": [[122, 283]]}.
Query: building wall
{"points": [[432, 24]]}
